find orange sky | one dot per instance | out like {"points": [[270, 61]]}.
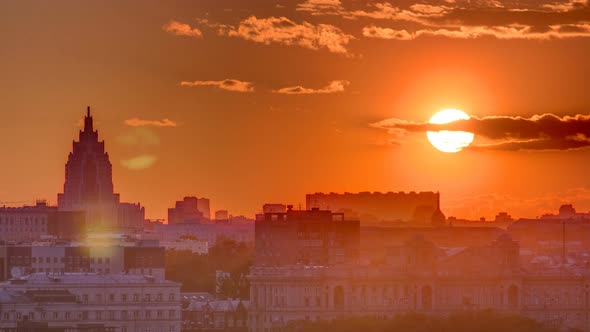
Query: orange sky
{"points": [[309, 79]]}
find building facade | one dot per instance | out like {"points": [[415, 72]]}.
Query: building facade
{"points": [[55, 259], [420, 277], [312, 237], [79, 301], [31, 223]]}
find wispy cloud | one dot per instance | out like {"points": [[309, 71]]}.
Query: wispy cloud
{"points": [[510, 133], [281, 30], [321, 7], [135, 122], [182, 29], [565, 6], [333, 87], [227, 84], [140, 162], [512, 31]]}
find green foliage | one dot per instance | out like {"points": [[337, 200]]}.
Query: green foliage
{"points": [[481, 321], [197, 272]]}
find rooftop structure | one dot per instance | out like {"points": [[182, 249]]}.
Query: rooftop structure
{"points": [[378, 207]]}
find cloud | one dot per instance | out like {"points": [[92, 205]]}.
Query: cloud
{"points": [[508, 133], [321, 7], [281, 30], [470, 32], [135, 122], [139, 136], [227, 84], [140, 162], [565, 7], [466, 19], [182, 29], [333, 87]]}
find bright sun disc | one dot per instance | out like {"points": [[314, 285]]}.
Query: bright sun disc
{"points": [[446, 140]]}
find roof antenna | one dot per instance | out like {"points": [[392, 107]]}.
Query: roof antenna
{"points": [[88, 111]]}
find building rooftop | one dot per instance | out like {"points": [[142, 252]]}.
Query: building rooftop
{"points": [[39, 279]]}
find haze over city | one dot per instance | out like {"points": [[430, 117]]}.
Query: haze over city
{"points": [[292, 97]]}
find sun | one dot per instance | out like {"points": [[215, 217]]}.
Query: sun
{"points": [[446, 140]]}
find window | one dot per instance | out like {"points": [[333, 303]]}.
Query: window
{"points": [[148, 314], [98, 315], [171, 297], [85, 298], [124, 297], [112, 297], [135, 297]]}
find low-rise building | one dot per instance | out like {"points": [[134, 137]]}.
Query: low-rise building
{"points": [[421, 277], [74, 301]]}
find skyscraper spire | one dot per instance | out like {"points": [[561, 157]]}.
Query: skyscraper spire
{"points": [[88, 125]]}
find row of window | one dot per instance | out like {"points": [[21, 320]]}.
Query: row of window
{"points": [[62, 270], [66, 259], [130, 297], [90, 315], [9, 220]]}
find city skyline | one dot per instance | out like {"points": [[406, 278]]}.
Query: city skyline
{"points": [[190, 118]]}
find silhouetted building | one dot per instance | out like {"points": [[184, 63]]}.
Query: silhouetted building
{"points": [[89, 186], [379, 207], [191, 210], [312, 237], [221, 215], [274, 208], [438, 218]]}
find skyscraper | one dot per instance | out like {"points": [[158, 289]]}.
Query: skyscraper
{"points": [[89, 185]]}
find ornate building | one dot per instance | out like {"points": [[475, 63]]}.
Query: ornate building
{"points": [[420, 277], [89, 186]]}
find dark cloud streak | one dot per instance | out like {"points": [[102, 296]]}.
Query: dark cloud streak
{"points": [[539, 132]]}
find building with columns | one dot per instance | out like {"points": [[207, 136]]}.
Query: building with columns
{"points": [[420, 277]]}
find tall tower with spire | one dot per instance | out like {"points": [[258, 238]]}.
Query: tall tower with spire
{"points": [[89, 181]]}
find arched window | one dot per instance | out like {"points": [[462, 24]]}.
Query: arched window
{"points": [[426, 297], [339, 297], [513, 296]]}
